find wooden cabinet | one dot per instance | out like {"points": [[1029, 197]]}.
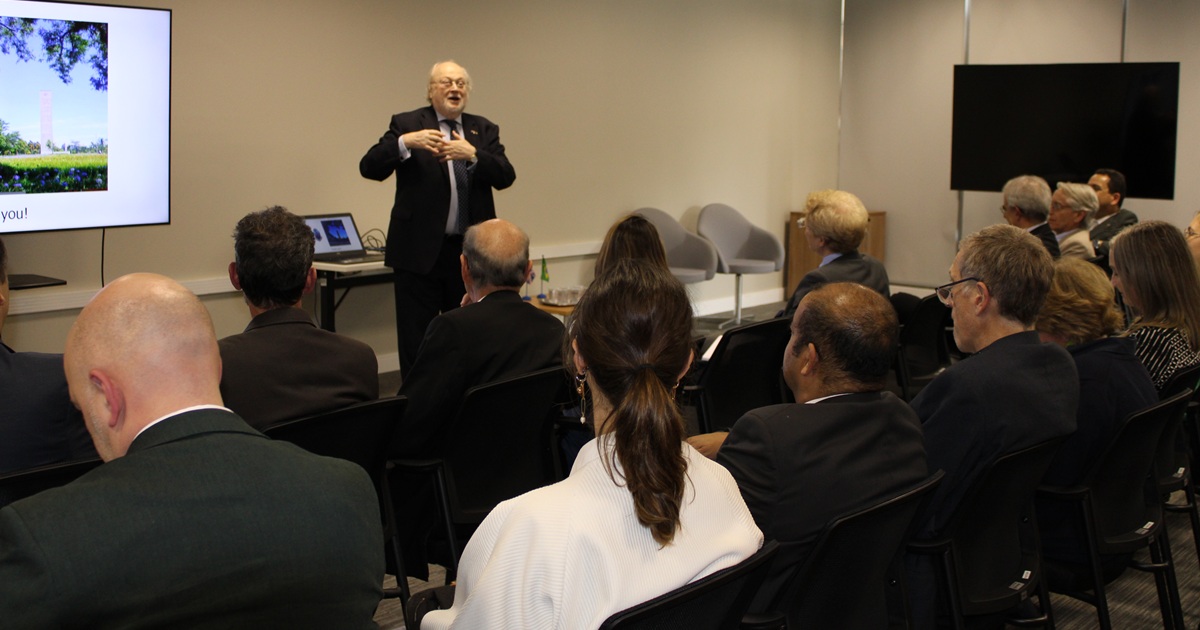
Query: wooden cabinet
{"points": [[801, 260]]}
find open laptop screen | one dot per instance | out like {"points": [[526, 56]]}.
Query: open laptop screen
{"points": [[334, 234]]}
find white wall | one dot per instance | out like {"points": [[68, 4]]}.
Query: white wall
{"points": [[604, 107], [896, 107]]}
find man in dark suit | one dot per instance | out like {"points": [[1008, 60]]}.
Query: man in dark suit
{"points": [[1012, 392], [38, 425], [835, 224], [845, 445], [446, 164], [1110, 218], [283, 367], [1027, 206], [195, 519], [495, 335]]}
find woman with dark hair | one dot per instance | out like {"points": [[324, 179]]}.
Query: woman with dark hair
{"points": [[1155, 272], [642, 512], [631, 238]]}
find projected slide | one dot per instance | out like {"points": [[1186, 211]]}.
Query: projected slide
{"points": [[84, 116]]}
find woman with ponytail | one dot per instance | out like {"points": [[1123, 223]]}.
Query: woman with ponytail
{"points": [[642, 512]]}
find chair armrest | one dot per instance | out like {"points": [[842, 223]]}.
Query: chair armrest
{"points": [[1062, 493], [415, 465], [763, 241], [769, 620]]}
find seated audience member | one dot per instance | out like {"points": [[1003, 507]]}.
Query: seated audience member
{"points": [[1081, 315], [1012, 392], [38, 425], [1110, 217], [1192, 235], [1155, 272], [1027, 205], [195, 520], [835, 224], [1071, 207], [641, 513], [632, 238], [846, 443], [496, 335], [283, 367]]}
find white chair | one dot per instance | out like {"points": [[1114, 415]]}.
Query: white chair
{"points": [[691, 258], [741, 248]]}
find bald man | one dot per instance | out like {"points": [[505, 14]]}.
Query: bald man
{"points": [[845, 444], [194, 519], [496, 335], [446, 163]]}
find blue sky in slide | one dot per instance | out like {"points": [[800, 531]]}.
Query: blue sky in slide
{"points": [[80, 112]]}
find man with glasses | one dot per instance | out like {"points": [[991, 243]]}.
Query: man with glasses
{"points": [[1027, 206], [446, 164], [1012, 392], [1071, 209]]}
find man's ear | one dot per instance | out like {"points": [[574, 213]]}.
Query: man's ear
{"points": [[1116, 199], [809, 359], [233, 277], [465, 270], [114, 398], [982, 297], [310, 280]]}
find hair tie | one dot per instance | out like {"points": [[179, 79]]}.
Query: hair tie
{"points": [[645, 366]]}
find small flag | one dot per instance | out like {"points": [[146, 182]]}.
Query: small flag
{"points": [[545, 271]]}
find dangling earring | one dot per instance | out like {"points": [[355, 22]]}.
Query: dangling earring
{"points": [[580, 387]]}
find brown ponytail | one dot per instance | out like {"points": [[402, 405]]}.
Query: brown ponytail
{"points": [[633, 329]]}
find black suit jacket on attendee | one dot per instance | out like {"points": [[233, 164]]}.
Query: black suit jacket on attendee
{"points": [[38, 423], [205, 523], [1048, 238], [422, 204], [499, 337], [1103, 233], [800, 466], [1015, 393], [282, 367], [849, 267]]}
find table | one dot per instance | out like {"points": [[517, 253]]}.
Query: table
{"points": [[333, 276]]}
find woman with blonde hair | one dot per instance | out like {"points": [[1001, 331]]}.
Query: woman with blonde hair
{"points": [[642, 512], [1154, 271]]}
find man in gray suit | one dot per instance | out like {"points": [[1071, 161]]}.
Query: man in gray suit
{"points": [[283, 367], [195, 519], [835, 224]]}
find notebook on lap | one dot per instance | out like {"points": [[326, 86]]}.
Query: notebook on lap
{"points": [[336, 239]]}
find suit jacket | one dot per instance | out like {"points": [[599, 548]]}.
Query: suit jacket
{"points": [[38, 423], [849, 267], [499, 337], [1015, 393], [1044, 232], [800, 466], [204, 523], [1103, 233], [422, 203], [282, 367], [1077, 244]]}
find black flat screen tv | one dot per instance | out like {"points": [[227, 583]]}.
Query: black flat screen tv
{"points": [[85, 116], [1063, 121]]}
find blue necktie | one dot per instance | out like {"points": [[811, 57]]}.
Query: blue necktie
{"points": [[463, 219]]}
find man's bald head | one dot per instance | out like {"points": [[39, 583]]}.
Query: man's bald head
{"points": [[854, 331], [143, 348], [496, 254]]}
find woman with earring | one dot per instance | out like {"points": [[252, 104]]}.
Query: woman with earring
{"points": [[1155, 272], [642, 512]]}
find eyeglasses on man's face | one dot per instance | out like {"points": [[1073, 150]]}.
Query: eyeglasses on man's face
{"points": [[945, 292], [447, 82]]}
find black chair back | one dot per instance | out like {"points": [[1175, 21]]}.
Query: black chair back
{"points": [[743, 373], [20, 484], [715, 602], [844, 582], [923, 350], [500, 445], [359, 433]]}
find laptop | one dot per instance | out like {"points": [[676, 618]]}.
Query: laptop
{"points": [[336, 239]]}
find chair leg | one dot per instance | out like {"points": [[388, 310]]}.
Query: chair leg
{"points": [[451, 537], [1164, 578], [1193, 514], [389, 515], [1097, 572], [737, 304]]}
